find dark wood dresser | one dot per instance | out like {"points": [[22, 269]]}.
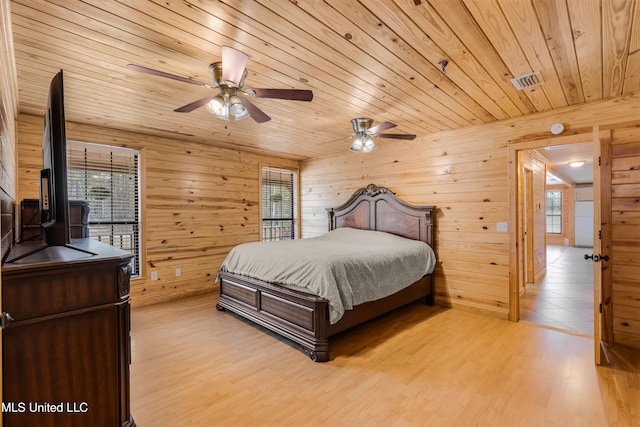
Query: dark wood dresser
{"points": [[66, 349]]}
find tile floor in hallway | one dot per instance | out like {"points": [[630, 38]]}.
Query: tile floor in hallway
{"points": [[564, 297]]}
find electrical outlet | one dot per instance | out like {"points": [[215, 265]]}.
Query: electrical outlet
{"points": [[178, 272], [501, 227], [154, 275]]}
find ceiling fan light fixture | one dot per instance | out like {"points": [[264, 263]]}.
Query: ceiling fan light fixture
{"points": [[236, 107], [217, 106], [243, 114], [357, 144], [363, 143], [368, 144]]}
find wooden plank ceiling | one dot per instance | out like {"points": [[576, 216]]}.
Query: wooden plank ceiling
{"points": [[370, 58]]}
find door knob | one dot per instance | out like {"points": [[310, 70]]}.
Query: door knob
{"points": [[597, 258]]}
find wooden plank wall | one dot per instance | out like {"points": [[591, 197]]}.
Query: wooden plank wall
{"points": [[465, 174], [625, 226], [197, 202], [8, 113]]}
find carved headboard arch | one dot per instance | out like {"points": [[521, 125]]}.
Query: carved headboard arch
{"points": [[378, 208]]}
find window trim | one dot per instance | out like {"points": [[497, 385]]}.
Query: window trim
{"points": [[129, 151], [561, 215], [296, 189]]}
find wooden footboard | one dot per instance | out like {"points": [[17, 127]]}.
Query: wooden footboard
{"points": [[304, 318]]}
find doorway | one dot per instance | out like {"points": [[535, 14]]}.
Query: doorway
{"points": [[561, 295], [559, 292]]}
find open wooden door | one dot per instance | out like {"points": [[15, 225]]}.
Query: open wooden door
{"points": [[601, 237], [528, 227], [1, 380]]}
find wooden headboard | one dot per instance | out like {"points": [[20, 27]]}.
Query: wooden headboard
{"points": [[378, 208]]}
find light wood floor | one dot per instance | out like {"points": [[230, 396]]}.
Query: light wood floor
{"points": [[418, 366]]}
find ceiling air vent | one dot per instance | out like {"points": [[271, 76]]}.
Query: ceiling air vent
{"points": [[528, 80]]}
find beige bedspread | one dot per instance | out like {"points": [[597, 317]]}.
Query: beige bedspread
{"points": [[345, 266]]}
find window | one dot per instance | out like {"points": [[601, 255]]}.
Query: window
{"points": [[107, 177], [279, 204], [554, 212]]}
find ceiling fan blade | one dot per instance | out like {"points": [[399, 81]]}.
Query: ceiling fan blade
{"points": [[233, 65], [291, 94], [192, 106], [256, 114], [395, 136], [379, 128], [167, 75]]}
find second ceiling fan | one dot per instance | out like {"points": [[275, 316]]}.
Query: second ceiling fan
{"points": [[364, 134], [228, 77]]}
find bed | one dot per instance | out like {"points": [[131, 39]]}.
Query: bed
{"points": [[309, 319]]}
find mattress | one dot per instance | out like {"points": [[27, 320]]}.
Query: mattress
{"points": [[345, 266]]}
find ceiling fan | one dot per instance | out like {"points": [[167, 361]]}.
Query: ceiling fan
{"points": [[364, 134], [228, 77]]}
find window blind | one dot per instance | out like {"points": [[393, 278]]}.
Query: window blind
{"points": [[279, 204], [107, 177]]}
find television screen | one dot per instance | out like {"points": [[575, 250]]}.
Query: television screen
{"points": [[54, 206]]}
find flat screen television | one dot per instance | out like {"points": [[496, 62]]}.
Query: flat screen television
{"points": [[54, 198], [54, 203]]}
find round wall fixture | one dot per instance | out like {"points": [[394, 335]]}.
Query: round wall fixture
{"points": [[557, 129]]}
